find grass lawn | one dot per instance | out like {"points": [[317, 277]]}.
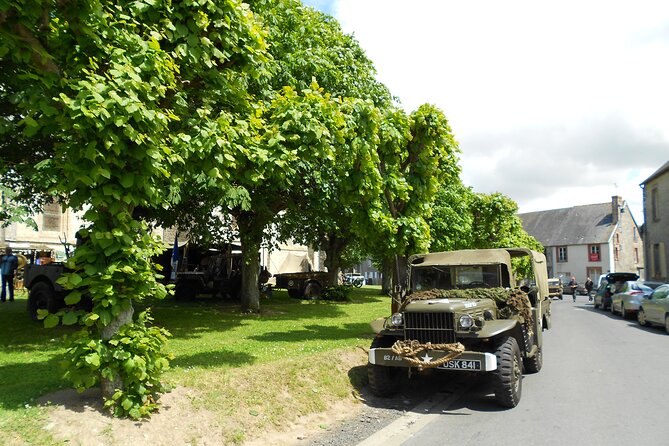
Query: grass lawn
{"points": [[252, 371]]}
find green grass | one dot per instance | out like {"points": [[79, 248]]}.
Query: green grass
{"points": [[226, 355]]}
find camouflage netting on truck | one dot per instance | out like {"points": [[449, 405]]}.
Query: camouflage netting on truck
{"points": [[509, 302]]}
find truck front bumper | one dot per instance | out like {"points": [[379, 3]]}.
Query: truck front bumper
{"points": [[467, 361]]}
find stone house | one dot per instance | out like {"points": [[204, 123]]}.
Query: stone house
{"points": [[589, 240], [55, 229], [656, 224]]}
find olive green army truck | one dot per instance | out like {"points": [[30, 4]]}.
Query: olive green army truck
{"points": [[463, 311]]}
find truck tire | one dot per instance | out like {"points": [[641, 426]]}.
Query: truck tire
{"points": [[41, 297], [533, 364], [313, 290], [383, 381], [507, 379]]}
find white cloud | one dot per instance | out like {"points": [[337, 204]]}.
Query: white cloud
{"points": [[552, 102]]}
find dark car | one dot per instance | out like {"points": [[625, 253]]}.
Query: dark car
{"points": [[580, 290], [609, 286]]}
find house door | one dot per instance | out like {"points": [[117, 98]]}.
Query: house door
{"points": [[593, 272]]}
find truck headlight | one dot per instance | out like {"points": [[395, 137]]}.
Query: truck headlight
{"points": [[291, 283], [466, 321], [397, 319]]}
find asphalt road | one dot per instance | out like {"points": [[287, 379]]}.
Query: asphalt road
{"points": [[605, 381]]}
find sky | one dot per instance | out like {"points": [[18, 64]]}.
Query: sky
{"points": [[554, 104]]}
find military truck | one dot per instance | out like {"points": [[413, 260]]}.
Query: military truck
{"points": [[463, 311], [308, 285], [555, 288]]}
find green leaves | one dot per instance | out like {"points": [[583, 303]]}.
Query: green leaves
{"points": [[134, 355]]}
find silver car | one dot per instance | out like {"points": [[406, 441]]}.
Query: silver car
{"points": [[655, 310], [629, 297]]}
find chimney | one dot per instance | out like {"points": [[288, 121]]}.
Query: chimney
{"points": [[616, 203]]}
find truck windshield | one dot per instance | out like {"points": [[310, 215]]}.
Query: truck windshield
{"points": [[455, 277]]}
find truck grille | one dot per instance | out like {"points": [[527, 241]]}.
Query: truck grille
{"points": [[436, 328]]}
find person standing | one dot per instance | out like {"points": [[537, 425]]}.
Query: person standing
{"points": [[8, 264], [588, 287], [573, 285]]}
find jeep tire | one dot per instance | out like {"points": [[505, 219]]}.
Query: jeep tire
{"points": [[383, 381], [507, 379]]}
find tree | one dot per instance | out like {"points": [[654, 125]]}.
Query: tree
{"points": [[463, 219], [124, 100], [300, 129], [452, 220], [332, 208], [417, 155]]}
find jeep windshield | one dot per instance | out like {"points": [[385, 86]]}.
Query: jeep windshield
{"points": [[455, 277]]}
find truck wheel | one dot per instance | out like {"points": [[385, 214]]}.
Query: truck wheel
{"points": [[508, 376], [383, 381], [313, 290], [533, 364], [41, 297]]}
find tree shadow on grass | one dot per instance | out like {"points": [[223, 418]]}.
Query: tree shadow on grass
{"points": [[322, 332], [213, 359], [187, 320], [22, 382]]}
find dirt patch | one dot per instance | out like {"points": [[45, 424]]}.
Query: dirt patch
{"points": [[80, 419]]}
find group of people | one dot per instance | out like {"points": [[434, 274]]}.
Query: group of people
{"points": [[8, 265], [573, 286]]}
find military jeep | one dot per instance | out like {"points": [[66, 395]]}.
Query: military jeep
{"points": [[463, 311]]}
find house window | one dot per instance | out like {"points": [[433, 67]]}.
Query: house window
{"points": [[616, 253], [593, 253], [51, 217], [562, 254], [655, 204], [636, 235], [618, 237], [636, 255]]}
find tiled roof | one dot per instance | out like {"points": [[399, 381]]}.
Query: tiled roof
{"points": [[577, 225]]}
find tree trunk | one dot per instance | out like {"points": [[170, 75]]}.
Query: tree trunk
{"points": [[398, 272], [251, 238], [333, 251], [387, 277], [109, 386]]}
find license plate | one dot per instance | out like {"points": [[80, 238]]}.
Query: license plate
{"points": [[462, 364]]}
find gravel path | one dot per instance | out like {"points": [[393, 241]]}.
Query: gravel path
{"points": [[380, 412]]}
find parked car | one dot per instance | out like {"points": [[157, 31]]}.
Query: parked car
{"points": [[608, 286], [555, 288], [629, 297], [354, 279], [655, 309]]}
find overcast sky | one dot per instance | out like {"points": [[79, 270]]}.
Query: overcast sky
{"points": [[554, 104]]}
